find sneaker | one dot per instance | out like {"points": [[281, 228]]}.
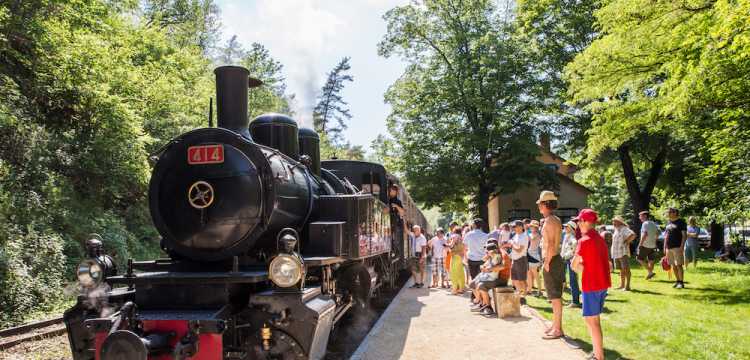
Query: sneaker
{"points": [[419, 286], [414, 286], [675, 285], [475, 306], [479, 308], [650, 276], [487, 311], [680, 285], [574, 305]]}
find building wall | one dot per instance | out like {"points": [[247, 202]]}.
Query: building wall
{"points": [[570, 195]]}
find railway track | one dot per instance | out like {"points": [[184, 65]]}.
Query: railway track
{"points": [[30, 332]]}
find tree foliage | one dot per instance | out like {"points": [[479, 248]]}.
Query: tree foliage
{"points": [[331, 112], [674, 69], [88, 89], [458, 118]]}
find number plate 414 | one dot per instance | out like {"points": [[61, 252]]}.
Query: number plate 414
{"points": [[206, 154]]}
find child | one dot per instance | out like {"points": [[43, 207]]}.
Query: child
{"points": [[592, 260], [487, 279], [520, 267]]}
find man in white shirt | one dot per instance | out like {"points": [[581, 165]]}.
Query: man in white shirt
{"points": [[437, 246], [475, 241], [419, 256], [647, 245]]}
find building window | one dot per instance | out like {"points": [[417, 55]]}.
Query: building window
{"points": [[565, 214], [519, 214]]}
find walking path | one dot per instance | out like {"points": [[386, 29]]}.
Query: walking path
{"points": [[433, 324]]}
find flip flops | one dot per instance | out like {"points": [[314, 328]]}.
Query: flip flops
{"points": [[553, 336]]}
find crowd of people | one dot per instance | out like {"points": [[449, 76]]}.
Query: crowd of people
{"points": [[539, 257]]}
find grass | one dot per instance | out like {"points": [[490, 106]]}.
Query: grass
{"points": [[709, 319]]}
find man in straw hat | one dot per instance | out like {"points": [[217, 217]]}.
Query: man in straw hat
{"points": [[621, 239], [553, 269], [592, 260]]}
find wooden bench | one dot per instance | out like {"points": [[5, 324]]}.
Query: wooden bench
{"points": [[507, 302]]}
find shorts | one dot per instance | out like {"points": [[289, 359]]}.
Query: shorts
{"points": [[623, 262], [475, 268], [489, 285], [438, 267], [593, 302], [645, 253], [519, 269], [675, 256], [534, 263], [554, 278], [414, 263]]}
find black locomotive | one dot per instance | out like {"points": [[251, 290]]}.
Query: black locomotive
{"points": [[268, 246]]}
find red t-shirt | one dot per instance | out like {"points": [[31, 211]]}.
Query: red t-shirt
{"points": [[593, 250]]}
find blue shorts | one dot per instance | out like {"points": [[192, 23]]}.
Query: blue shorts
{"points": [[593, 302]]}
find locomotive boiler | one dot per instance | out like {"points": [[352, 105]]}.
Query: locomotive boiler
{"points": [[267, 247]]}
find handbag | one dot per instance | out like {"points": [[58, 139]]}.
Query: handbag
{"points": [[665, 264]]}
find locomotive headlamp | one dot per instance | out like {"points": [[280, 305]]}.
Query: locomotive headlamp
{"points": [[285, 270], [89, 273]]}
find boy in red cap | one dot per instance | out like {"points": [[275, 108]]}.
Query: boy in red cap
{"points": [[592, 260]]}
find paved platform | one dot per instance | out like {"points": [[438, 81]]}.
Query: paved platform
{"points": [[433, 324]]}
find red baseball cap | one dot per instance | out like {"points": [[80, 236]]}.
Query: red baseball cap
{"points": [[588, 215]]}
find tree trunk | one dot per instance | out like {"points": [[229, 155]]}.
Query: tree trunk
{"points": [[640, 198], [483, 201]]}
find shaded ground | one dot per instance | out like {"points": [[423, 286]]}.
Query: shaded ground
{"points": [[54, 348], [709, 319]]}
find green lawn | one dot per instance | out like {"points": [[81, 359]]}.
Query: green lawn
{"points": [[709, 319]]}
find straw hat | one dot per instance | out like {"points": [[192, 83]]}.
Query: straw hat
{"points": [[534, 223], [619, 219], [546, 195]]}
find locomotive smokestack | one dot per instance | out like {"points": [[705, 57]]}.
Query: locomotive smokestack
{"points": [[232, 83]]}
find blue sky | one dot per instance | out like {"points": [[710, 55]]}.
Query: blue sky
{"points": [[309, 37]]}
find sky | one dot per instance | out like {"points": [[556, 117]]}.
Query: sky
{"points": [[309, 38]]}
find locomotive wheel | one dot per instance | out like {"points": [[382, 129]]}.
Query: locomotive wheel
{"points": [[284, 347]]}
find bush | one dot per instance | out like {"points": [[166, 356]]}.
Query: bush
{"points": [[32, 265]]}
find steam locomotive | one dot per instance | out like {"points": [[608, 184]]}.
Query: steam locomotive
{"points": [[268, 246]]}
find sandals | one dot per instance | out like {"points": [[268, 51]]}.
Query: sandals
{"points": [[552, 336]]}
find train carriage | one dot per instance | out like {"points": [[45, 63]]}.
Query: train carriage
{"points": [[268, 247]]}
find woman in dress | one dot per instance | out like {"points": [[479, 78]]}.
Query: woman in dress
{"points": [[457, 263]]}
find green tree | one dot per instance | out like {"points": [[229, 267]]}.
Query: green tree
{"points": [[271, 97], [187, 22], [331, 112], [671, 73], [457, 111], [86, 94]]}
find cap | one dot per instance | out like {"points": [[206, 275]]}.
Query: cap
{"points": [[546, 195], [588, 215], [491, 246], [572, 224]]}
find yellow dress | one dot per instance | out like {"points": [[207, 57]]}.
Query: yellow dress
{"points": [[457, 268]]}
